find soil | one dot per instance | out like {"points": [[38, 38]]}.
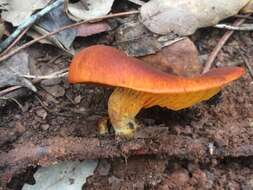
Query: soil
{"points": [[209, 146]]}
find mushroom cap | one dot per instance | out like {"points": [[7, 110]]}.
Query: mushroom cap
{"points": [[109, 66]]}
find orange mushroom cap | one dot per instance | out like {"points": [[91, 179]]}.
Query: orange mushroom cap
{"points": [[107, 65]]}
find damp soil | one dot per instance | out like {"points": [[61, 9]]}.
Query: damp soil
{"points": [[209, 146]]}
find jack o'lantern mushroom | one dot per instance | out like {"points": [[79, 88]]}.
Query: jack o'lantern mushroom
{"points": [[141, 86]]}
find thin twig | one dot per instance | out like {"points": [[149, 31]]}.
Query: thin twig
{"points": [[244, 16], [15, 41], [65, 28], [243, 27], [219, 46], [58, 74], [247, 64], [8, 90], [28, 22], [36, 80], [14, 100]]}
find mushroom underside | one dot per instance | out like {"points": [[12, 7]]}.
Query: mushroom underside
{"points": [[124, 104]]}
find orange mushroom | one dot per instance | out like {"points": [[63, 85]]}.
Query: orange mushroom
{"points": [[141, 86]]}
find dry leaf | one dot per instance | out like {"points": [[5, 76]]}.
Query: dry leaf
{"points": [[13, 69], [183, 17], [66, 175], [89, 29], [181, 58], [3, 4], [248, 8], [88, 9], [18, 10], [54, 20], [136, 40]]}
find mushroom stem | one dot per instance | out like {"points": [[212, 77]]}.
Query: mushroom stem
{"points": [[124, 104]]}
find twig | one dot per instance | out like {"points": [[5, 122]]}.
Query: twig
{"points": [[219, 46], [152, 141], [28, 22], [244, 27], [65, 28], [244, 16], [36, 80], [15, 41], [247, 64], [14, 100], [58, 74], [8, 90]]}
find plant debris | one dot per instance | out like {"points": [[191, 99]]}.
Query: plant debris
{"points": [[66, 175], [12, 71], [88, 9], [18, 11], [48, 124], [183, 17]]}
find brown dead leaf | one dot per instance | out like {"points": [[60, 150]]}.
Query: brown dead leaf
{"points": [[89, 29], [180, 58]]}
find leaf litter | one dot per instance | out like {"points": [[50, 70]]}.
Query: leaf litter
{"points": [[184, 17], [151, 36], [17, 10]]}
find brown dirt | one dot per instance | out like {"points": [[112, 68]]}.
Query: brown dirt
{"points": [[209, 146]]}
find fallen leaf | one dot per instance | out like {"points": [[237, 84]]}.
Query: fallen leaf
{"points": [[88, 9], [66, 175], [136, 40], [57, 19], [3, 4], [13, 69], [180, 58], [18, 11], [54, 20], [56, 90], [89, 29], [183, 17], [248, 8]]}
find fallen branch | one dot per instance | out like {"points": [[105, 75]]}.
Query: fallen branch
{"points": [[150, 141]]}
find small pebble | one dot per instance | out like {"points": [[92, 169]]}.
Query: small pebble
{"points": [[78, 99], [45, 127], [19, 127], [41, 113]]}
